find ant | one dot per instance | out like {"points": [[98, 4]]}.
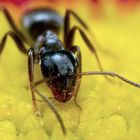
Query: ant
{"points": [[60, 63]]}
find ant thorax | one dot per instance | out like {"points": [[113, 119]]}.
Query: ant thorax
{"points": [[47, 42]]}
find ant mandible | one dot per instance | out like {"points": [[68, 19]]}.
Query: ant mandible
{"points": [[60, 63]]}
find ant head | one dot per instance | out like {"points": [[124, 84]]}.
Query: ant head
{"points": [[60, 69]]}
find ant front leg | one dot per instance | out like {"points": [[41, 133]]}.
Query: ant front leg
{"points": [[77, 52], [70, 40], [16, 39], [11, 22], [31, 60]]}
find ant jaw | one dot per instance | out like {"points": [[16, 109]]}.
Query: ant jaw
{"points": [[62, 96]]}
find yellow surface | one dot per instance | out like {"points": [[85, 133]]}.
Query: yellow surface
{"points": [[110, 111]]}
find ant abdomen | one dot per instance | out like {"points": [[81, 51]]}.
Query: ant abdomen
{"points": [[35, 22]]}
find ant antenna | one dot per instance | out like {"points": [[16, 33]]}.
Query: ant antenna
{"points": [[53, 109], [112, 74]]}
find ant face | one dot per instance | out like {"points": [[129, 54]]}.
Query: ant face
{"points": [[61, 71], [63, 87]]}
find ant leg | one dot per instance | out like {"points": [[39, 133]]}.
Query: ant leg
{"points": [[11, 22], [70, 39], [68, 13], [91, 47], [76, 93], [31, 60], [52, 108], [112, 74], [76, 49], [16, 39]]}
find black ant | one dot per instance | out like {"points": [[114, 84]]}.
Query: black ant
{"points": [[60, 62]]}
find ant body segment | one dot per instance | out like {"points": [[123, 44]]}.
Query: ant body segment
{"points": [[60, 63]]}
